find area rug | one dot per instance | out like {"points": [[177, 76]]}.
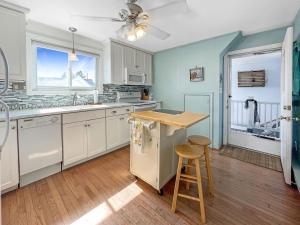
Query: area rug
{"points": [[257, 158]]}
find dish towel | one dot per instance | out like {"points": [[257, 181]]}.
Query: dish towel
{"points": [[138, 136]]}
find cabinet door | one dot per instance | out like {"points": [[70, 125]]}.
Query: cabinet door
{"points": [[124, 129], [148, 69], [113, 132], [9, 158], [12, 42], [117, 63], [140, 61], [74, 142], [129, 58], [96, 138]]}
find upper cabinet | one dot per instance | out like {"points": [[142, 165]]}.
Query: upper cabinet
{"points": [[119, 57], [12, 42]]}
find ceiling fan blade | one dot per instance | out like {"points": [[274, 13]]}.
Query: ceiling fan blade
{"points": [[175, 4], [97, 18], [156, 32]]}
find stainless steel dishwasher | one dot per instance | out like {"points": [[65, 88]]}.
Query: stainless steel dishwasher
{"points": [[40, 147]]}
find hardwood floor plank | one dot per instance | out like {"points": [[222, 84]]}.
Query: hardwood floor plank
{"points": [[102, 191]]}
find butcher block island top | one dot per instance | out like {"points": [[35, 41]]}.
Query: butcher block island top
{"points": [[182, 120]]}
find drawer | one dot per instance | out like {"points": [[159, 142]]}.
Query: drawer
{"points": [[119, 111], [82, 116]]}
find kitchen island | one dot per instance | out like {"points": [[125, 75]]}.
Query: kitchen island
{"points": [[156, 161]]}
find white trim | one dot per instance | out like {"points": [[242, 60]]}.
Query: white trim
{"points": [[272, 47], [227, 67], [14, 7], [59, 43]]}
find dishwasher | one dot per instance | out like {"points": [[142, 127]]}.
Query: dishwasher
{"points": [[40, 147]]}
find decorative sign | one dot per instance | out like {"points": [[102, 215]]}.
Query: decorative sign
{"points": [[197, 74], [252, 78]]}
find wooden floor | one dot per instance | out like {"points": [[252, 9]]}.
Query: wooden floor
{"points": [[102, 191]]}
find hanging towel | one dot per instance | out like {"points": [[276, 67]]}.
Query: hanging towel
{"points": [[256, 115], [296, 69], [137, 129]]}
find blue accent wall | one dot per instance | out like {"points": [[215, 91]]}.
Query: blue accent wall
{"points": [[260, 39], [171, 75]]}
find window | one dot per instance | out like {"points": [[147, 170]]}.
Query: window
{"points": [[54, 71]]}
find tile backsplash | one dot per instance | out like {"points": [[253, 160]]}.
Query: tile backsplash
{"points": [[19, 100]]}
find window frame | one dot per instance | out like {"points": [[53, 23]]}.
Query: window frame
{"points": [[33, 41]]}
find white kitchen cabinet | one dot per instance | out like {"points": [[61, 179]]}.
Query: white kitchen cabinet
{"points": [[12, 42], [117, 127], [113, 131], [9, 158], [129, 58], [124, 129], [114, 63], [140, 61], [74, 142], [96, 137], [83, 136], [118, 57]]}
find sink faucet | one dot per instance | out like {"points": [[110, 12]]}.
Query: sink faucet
{"points": [[75, 98]]}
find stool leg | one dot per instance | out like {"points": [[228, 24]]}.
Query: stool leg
{"points": [[188, 172], [208, 171], [177, 184], [200, 191]]}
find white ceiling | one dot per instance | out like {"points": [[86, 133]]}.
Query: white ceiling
{"points": [[205, 18]]}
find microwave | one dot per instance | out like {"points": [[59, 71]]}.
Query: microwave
{"points": [[135, 77]]}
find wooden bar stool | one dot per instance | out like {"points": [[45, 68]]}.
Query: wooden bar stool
{"points": [[203, 142], [191, 153]]}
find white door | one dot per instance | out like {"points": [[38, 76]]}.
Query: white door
{"points": [[286, 104], [125, 129], [9, 158], [74, 142], [96, 138], [117, 67], [129, 58], [140, 61], [112, 132], [148, 69]]}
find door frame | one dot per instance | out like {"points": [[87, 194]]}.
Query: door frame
{"points": [[227, 68]]}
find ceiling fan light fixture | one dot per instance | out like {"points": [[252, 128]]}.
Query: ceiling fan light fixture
{"points": [[140, 30]]}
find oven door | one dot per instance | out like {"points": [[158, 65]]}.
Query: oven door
{"points": [[148, 107]]}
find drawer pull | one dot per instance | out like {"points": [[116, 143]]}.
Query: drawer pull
{"points": [[13, 127], [114, 112], [28, 120], [127, 110]]}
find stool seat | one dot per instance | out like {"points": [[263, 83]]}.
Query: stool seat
{"points": [[189, 151], [199, 140]]}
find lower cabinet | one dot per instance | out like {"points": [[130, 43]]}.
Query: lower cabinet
{"points": [[82, 140], [9, 158], [117, 131]]}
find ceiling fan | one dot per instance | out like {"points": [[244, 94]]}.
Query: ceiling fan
{"points": [[136, 20]]}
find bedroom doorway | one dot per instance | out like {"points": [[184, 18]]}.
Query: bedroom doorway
{"points": [[254, 101]]}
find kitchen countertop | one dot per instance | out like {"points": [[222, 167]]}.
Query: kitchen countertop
{"points": [[21, 114], [182, 120]]}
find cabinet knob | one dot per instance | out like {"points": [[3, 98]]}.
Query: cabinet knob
{"points": [[13, 127]]}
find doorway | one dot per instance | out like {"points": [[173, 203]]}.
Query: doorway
{"points": [[253, 120]]}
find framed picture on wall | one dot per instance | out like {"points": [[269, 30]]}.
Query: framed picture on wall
{"points": [[197, 74]]}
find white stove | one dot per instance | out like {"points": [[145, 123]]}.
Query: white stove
{"points": [[134, 98]]}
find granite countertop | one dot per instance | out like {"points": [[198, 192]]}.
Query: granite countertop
{"points": [[21, 114], [182, 120]]}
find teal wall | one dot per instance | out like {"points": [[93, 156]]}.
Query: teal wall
{"points": [[297, 27], [171, 75], [262, 38]]}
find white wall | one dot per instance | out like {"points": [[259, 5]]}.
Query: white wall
{"points": [[271, 63]]}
